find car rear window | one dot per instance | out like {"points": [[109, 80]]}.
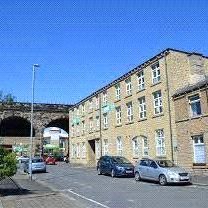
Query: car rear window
{"points": [[37, 160]]}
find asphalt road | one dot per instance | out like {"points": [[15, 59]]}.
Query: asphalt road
{"points": [[96, 191]]}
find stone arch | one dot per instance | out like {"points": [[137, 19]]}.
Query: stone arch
{"points": [[15, 126], [62, 123]]}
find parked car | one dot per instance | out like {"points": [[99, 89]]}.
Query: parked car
{"points": [[38, 165], [115, 166], [22, 159], [163, 171], [50, 160]]}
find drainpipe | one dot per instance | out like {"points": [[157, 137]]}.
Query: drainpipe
{"points": [[169, 109], [100, 110]]}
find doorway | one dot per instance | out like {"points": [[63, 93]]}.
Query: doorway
{"points": [[91, 153]]}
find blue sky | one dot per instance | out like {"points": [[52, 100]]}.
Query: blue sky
{"points": [[83, 45]]}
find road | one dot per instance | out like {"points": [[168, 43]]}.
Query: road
{"points": [[96, 191]]}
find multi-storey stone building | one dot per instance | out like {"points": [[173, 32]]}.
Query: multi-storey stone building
{"points": [[192, 126], [134, 115]]}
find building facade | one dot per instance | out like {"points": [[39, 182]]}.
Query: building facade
{"points": [[192, 126], [134, 115]]}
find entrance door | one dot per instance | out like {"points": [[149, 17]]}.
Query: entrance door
{"points": [[199, 149], [91, 153]]}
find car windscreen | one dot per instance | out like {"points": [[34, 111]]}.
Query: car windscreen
{"points": [[120, 160], [165, 163], [37, 160]]}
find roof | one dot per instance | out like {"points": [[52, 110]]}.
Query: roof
{"points": [[191, 88], [140, 67]]}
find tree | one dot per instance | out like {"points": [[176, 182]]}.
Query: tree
{"points": [[8, 163], [8, 98]]}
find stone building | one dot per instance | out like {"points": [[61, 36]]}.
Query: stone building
{"points": [[134, 115], [192, 126]]}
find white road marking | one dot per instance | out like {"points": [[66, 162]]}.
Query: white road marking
{"points": [[88, 199]]}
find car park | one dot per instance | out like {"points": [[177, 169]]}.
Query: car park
{"points": [[50, 160], [162, 171], [115, 166], [38, 165]]}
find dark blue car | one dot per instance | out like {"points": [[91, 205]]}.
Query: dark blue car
{"points": [[115, 166]]}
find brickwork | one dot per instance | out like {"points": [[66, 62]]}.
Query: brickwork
{"points": [[189, 126], [175, 71]]}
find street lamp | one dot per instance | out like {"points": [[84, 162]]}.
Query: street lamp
{"points": [[31, 119]]}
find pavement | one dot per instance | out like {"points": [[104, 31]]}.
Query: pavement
{"points": [[19, 191]]}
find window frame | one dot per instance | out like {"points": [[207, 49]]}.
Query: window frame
{"points": [[130, 115], [193, 104], [128, 86], [156, 76], [160, 142], [140, 80], [118, 115], [157, 101], [142, 107]]}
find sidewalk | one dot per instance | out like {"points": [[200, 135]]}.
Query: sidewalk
{"points": [[21, 192]]}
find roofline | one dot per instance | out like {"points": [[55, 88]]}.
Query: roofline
{"points": [[199, 85], [136, 69]]}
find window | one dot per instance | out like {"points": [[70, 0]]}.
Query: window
{"points": [[91, 124], [74, 150], [77, 111], [118, 115], [155, 73], [128, 86], [135, 144], [129, 112], [83, 150], [83, 127], [72, 131], [160, 142], [78, 150], [90, 105], [97, 149], [105, 120], [97, 122], [97, 102], [119, 146], [140, 78], [105, 146], [142, 108], [118, 92], [78, 132], [195, 105], [104, 98], [199, 149], [157, 96], [83, 109], [145, 147]]}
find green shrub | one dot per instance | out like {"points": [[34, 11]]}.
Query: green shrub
{"points": [[8, 163]]}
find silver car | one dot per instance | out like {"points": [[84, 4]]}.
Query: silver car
{"points": [[38, 165], [163, 171]]}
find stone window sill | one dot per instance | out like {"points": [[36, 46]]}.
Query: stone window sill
{"points": [[156, 83], [129, 123], [158, 115], [142, 119], [128, 96]]}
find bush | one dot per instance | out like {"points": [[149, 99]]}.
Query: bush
{"points": [[8, 163]]}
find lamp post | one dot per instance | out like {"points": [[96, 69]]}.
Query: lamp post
{"points": [[31, 119]]}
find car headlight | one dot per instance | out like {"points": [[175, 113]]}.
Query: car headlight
{"points": [[172, 174], [119, 168]]}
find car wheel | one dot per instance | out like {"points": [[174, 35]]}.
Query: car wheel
{"points": [[137, 176], [99, 171], [162, 180], [113, 174]]}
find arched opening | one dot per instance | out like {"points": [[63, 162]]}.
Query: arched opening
{"points": [[15, 127], [55, 138], [62, 123]]}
